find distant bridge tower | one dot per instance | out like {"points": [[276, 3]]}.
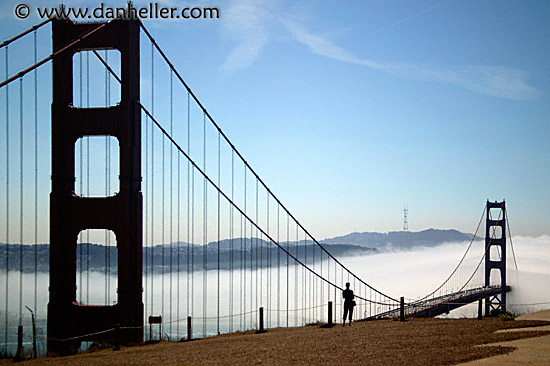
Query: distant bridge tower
{"points": [[495, 246], [70, 214], [405, 219]]}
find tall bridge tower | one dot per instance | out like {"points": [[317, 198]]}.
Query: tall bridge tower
{"points": [[70, 214], [495, 254]]}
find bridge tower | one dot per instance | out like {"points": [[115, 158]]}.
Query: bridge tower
{"points": [[70, 214], [498, 242]]}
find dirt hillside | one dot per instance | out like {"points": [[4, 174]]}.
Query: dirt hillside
{"points": [[382, 342]]}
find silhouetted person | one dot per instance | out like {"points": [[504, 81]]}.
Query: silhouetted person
{"points": [[348, 296]]}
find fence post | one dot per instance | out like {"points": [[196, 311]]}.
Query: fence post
{"points": [[34, 350], [117, 338], [261, 319], [19, 353], [402, 310], [189, 334], [479, 309], [330, 324]]}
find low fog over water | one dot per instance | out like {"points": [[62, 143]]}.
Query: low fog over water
{"points": [[416, 273], [412, 274]]}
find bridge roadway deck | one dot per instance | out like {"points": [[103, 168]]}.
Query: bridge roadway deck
{"points": [[433, 307]]}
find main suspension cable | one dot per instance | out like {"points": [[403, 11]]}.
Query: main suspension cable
{"points": [[213, 184], [24, 33], [70, 45], [207, 114]]}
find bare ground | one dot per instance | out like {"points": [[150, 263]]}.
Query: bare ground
{"points": [[381, 342]]}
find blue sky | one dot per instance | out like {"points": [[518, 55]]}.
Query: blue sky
{"points": [[350, 110]]}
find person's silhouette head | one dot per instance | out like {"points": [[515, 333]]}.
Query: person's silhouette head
{"points": [[347, 284]]}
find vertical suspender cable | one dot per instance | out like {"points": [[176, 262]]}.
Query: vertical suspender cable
{"points": [[355, 288], [88, 180], [312, 287], [162, 227], [81, 168], [188, 208], [192, 239], [171, 195], [268, 282], [341, 282], [204, 235], [7, 204], [258, 268], [106, 253], [21, 201], [307, 284], [219, 185], [35, 179], [335, 281], [296, 282], [253, 264], [146, 219], [328, 276], [108, 185], [152, 190], [231, 221], [287, 269], [321, 284], [178, 245], [304, 288], [278, 268], [243, 285]]}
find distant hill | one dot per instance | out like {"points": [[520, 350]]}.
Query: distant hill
{"points": [[401, 240], [94, 256]]}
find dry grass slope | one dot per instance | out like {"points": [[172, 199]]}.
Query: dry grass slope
{"points": [[383, 342]]}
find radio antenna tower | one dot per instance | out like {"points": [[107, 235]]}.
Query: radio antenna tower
{"points": [[405, 219]]}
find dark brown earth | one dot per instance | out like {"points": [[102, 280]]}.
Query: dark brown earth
{"points": [[380, 342]]}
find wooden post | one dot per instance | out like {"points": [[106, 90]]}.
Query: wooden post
{"points": [[480, 309], [261, 319], [189, 334], [330, 324], [402, 310], [19, 353], [34, 349], [117, 338]]}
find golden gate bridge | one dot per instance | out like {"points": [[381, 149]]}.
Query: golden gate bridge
{"points": [[194, 242]]}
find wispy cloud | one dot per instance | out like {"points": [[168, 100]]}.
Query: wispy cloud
{"points": [[406, 19], [245, 22], [498, 81]]}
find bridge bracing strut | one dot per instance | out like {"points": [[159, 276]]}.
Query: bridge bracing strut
{"points": [[495, 238], [70, 214]]}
